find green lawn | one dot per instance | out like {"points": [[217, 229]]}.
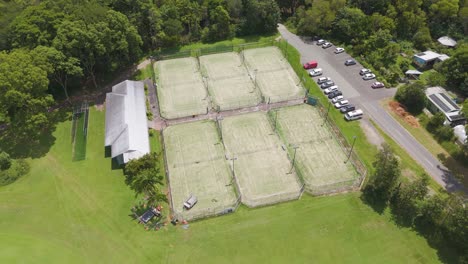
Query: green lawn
{"points": [[67, 212]]}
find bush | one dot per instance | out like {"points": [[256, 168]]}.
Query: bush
{"points": [[412, 96], [17, 169], [435, 122], [444, 133]]}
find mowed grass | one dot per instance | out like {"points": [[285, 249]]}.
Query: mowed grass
{"points": [[77, 212]]}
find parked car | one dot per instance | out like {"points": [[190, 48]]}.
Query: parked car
{"points": [[334, 94], [354, 115], [364, 71], [337, 99], [316, 72], [326, 45], [320, 42], [377, 85], [339, 50], [190, 202], [341, 103], [330, 89], [327, 84], [310, 65], [323, 80], [350, 62], [368, 76], [347, 108]]}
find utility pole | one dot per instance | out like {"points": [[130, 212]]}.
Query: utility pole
{"points": [[233, 172], [276, 118], [351, 150]]}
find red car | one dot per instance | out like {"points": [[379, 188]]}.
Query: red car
{"points": [[377, 85], [310, 65]]}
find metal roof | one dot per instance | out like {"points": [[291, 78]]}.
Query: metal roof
{"points": [[414, 72], [443, 102], [447, 41], [126, 122]]}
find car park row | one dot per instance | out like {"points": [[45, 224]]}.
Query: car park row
{"points": [[331, 90]]}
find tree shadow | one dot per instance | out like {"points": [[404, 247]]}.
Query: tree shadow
{"points": [[19, 147], [455, 167], [436, 240], [370, 199]]}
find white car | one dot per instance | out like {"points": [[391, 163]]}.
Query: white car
{"points": [[316, 72], [323, 80], [364, 71], [320, 42], [368, 76], [337, 99], [330, 89], [326, 45], [339, 50], [341, 103]]}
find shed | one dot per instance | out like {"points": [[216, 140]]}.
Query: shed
{"points": [[447, 41], [427, 58], [413, 74], [126, 121]]}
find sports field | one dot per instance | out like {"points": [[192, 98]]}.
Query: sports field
{"points": [[78, 212], [196, 165], [319, 158], [261, 166], [229, 83], [273, 74], [180, 87]]}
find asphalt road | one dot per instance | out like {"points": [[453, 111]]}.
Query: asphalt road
{"points": [[359, 93]]}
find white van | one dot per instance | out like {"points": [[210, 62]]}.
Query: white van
{"points": [[354, 115]]}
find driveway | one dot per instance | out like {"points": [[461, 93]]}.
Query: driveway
{"points": [[359, 92]]}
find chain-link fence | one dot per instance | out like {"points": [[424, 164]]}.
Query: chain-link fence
{"points": [[272, 199], [191, 215]]}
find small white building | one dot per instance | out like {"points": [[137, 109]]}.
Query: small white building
{"points": [[440, 101], [126, 121], [447, 41], [427, 58]]}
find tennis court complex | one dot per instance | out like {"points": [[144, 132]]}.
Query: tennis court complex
{"points": [[180, 87], [197, 165], [319, 158], [261, 165], [228, 81], [273, 75]]}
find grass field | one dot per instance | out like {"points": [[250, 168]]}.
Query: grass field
{"points": [[77, 212], [261, 166], [273, 75], [196, 164], [319, 158], [180, 88], [229, 83]]}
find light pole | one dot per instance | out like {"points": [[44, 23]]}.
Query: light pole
{"points": [[294, 158], [255, 77], [351, 150], [326, 115], [233, 159], [276, 118]]}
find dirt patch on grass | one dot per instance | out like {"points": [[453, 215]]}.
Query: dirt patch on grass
{"points": [[399, 109]]}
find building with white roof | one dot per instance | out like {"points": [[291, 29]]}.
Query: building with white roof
{"points": [[126, 121], [440, 101], [428, 58], [447, 41]]}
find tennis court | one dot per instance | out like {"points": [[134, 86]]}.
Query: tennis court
{"points": [[273, 75], [319, 159], [228, 81], [261, 165], [197, 165], [180, 87]]}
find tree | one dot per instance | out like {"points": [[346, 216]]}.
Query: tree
{"points": [[351, 25], [319, 18], [385, 177], [422, 39], [144, 176], [261, 16], [24, 100], [220, 27], [435, 122], [408, 199], [5, 161], [455, 70], [412, 96]]}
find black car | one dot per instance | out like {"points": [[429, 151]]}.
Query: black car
{"points": [[350, 62], [334, 94], [347, 108], [327, 84]]}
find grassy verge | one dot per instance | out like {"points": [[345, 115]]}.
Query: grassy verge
{"points": [[410, 168], [78, 212]]}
